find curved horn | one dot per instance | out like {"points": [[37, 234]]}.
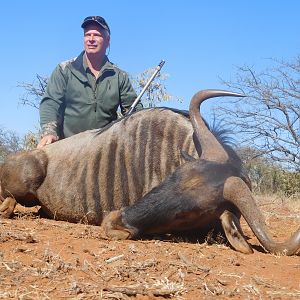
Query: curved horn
{"points": [[212, 150], [237, 192]]}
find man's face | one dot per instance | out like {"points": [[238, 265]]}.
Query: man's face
{"points": [[96, 39]]}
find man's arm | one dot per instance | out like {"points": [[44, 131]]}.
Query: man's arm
{"points": [[49, 134], [127, 95], [49, 107]]}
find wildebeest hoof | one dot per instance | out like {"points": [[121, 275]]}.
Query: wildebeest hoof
{"points": [[7, 207], [114, 227]]}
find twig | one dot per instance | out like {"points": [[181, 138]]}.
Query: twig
{"points": [[112, 259], [132, 290]]}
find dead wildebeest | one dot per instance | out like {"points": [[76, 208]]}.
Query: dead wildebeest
{"points": [[83, 177], [202, 191]]}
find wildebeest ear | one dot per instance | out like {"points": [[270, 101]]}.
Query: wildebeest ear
{"points": [[186, 156]]}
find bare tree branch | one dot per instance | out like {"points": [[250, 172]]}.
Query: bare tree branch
{"points": [[269, 117], [33, 91], [10, 142]]}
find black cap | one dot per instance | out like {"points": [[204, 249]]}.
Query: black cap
{"points": [[97, 20]]}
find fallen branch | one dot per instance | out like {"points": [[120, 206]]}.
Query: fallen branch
{"points": [[165, 290]]}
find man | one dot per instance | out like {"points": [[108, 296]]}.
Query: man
{"points": [[85, 93]]}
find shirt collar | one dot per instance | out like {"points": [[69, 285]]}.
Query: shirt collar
{"points": [[106, 64], [79, 66]]}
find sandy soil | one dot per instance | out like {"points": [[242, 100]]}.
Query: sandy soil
{"points": [[47, 259]]}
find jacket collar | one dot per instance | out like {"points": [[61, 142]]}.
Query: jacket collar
{"points": [[78, 67]]}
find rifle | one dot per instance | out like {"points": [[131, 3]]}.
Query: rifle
{"points": [[157, 69]]}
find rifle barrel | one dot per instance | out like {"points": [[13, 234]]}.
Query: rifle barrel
{"points": [[134, 104]]}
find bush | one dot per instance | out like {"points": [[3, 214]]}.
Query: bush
{"points": [[268, 177]]}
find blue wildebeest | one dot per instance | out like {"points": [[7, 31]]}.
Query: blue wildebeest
{"points": [[84, 177], [200, 192]]}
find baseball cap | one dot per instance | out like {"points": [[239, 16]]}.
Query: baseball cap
{"points": [[97, 20]]}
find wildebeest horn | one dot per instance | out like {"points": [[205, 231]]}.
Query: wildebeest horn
{"points": [[211, 148], [237, 192]]}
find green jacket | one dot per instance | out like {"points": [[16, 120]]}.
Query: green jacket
{"points": [[75, 101]]}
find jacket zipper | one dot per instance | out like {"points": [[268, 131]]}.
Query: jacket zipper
{"points": [[95, 89], [95, 95]]}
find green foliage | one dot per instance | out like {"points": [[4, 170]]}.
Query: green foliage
{"points": [[268, 177], [288, 183]]}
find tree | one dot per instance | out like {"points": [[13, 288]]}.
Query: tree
{"points": [[267, 176], [262, 171], [268, 119], [10, 142], [33, 91], [156, 92]]}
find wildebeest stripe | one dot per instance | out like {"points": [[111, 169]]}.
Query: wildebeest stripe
{"points": [[189, 146], [155, 147], [94, 189], [104, 169], [82, 175], [116, 174], [135, 165], [123, 175], [70, 181], [110, 166], [170, 134], [150, 152]]}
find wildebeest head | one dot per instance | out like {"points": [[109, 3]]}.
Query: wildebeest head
{"points": [[235, 190]]}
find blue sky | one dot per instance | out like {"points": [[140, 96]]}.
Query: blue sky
{"points": [[201, 41]]}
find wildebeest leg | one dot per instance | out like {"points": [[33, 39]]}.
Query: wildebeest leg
{"points": [[7, 207], [233, 232]]}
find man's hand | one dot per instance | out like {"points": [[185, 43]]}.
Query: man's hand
{"points": [[46, 140]]}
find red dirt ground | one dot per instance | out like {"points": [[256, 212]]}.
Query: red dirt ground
{"points": [[47, 259]]}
